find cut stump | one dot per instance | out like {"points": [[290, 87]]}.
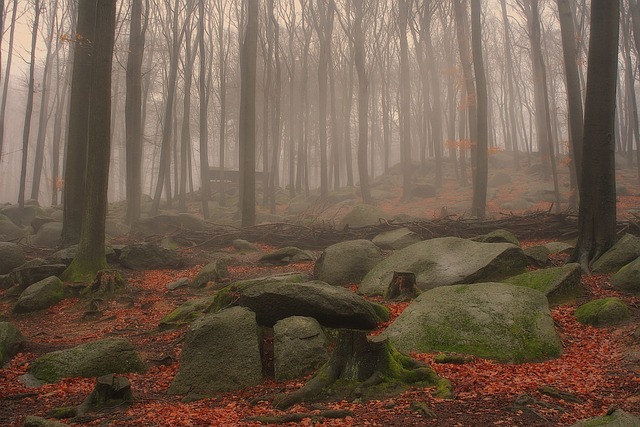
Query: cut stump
{"points": [[402, 287], [362, 366]]}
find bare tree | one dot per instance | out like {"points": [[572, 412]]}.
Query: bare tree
{"points": [[7, 74], [478, 207], [405, 96]]}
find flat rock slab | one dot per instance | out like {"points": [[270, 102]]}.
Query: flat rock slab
{"points": [[92, 359], [447, 261], [491, 320], [559, 284], [332, 306]]}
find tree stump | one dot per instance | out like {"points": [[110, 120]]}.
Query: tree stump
{"points": [[361, 366], [110, 391], [402, 286]]}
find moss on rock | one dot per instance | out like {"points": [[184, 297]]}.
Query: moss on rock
{"points": [[603, 312]]}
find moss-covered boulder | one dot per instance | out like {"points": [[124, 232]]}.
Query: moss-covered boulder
{"points": [[491, 320], [361, 216], [11, 256], [221, 353], [396, 239], [617, 418], [48, 236], [40, 295], [538, 255], [92, 359], [446, 261], [627, 279], [299, 347], [286, 255], [559, 247], [498, 236], [34, 271], [622, 253], [211, 272], [66, 255], [10, 341], [559, 284], [346, 262], [603, 312], [149, 257], [185, 313]]}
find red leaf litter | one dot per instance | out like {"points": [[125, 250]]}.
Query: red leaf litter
{"points": [[592, 367]]}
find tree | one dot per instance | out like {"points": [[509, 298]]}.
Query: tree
{"points": [[29, 109], [76, 157], [405, 97], [133, 112], [363, 101], [479, 204], [91, 256], [7, 74], [597, 209], [247, 122], [204, 110]]}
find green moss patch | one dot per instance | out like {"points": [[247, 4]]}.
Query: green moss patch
{"points": [[603, 312]]}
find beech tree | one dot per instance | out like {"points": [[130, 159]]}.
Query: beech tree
{"points": [[597, 209]]}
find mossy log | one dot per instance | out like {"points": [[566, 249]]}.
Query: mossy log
{"points": [[362, 366]]}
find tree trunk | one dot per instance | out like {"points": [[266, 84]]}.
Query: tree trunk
{"points": [[478, 208], [7, 74], [597, 211], [277, 123], [247, 124], [29, 109], [363, 102], [405, 104], [185, 134], [91, 249]]}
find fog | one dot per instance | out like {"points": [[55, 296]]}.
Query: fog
{"points": [[289, 144]]}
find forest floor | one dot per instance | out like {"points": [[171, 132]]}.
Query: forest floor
{"points": [[599, 366]]}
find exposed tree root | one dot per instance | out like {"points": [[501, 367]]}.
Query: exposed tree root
{"points": [[361, 366]]}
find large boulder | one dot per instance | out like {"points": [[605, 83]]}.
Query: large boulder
{"points": [[622, 253], [34, 271], [11, 256], [491, 320], [186, 313], [361, 216], [346, 262], [48, 236], [24, 216], [332, 306], [149, 257], [603, 312], [299, 347], [92, 359], [283, 256], [396, 239], [40, 295], [617, 418], [559, 284], [9, 231], [10, 341], [447, 261], [66, 255], [627, 279], [221, 353]]}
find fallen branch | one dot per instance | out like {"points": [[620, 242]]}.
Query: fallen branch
{"points": [[292, 418]]}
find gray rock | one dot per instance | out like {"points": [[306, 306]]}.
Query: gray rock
{"points": [[34, 271], [332, 306], [537, 256], [627, 279], [559, 247], [447, 261], [48, 236], [498, 236], [243, 246], [11, 256], [299, 347], [211, 272], [22, 217], [361, 216], [185, 313], [66, 255], [10, 341], [346, 262], [149, 257], [221, 353], [92, 359], [396, 239], [40, 295], [178, 284], [491, 320], [286, 255], [6, 281], [9, 231], [559, 284], [618, 418], [33, 421], [275, 278], [622, 253]]}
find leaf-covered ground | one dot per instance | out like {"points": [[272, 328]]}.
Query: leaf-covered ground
{"points": [[594, 369]]}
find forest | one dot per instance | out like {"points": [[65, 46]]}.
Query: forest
{"points": [[319, 212]]}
